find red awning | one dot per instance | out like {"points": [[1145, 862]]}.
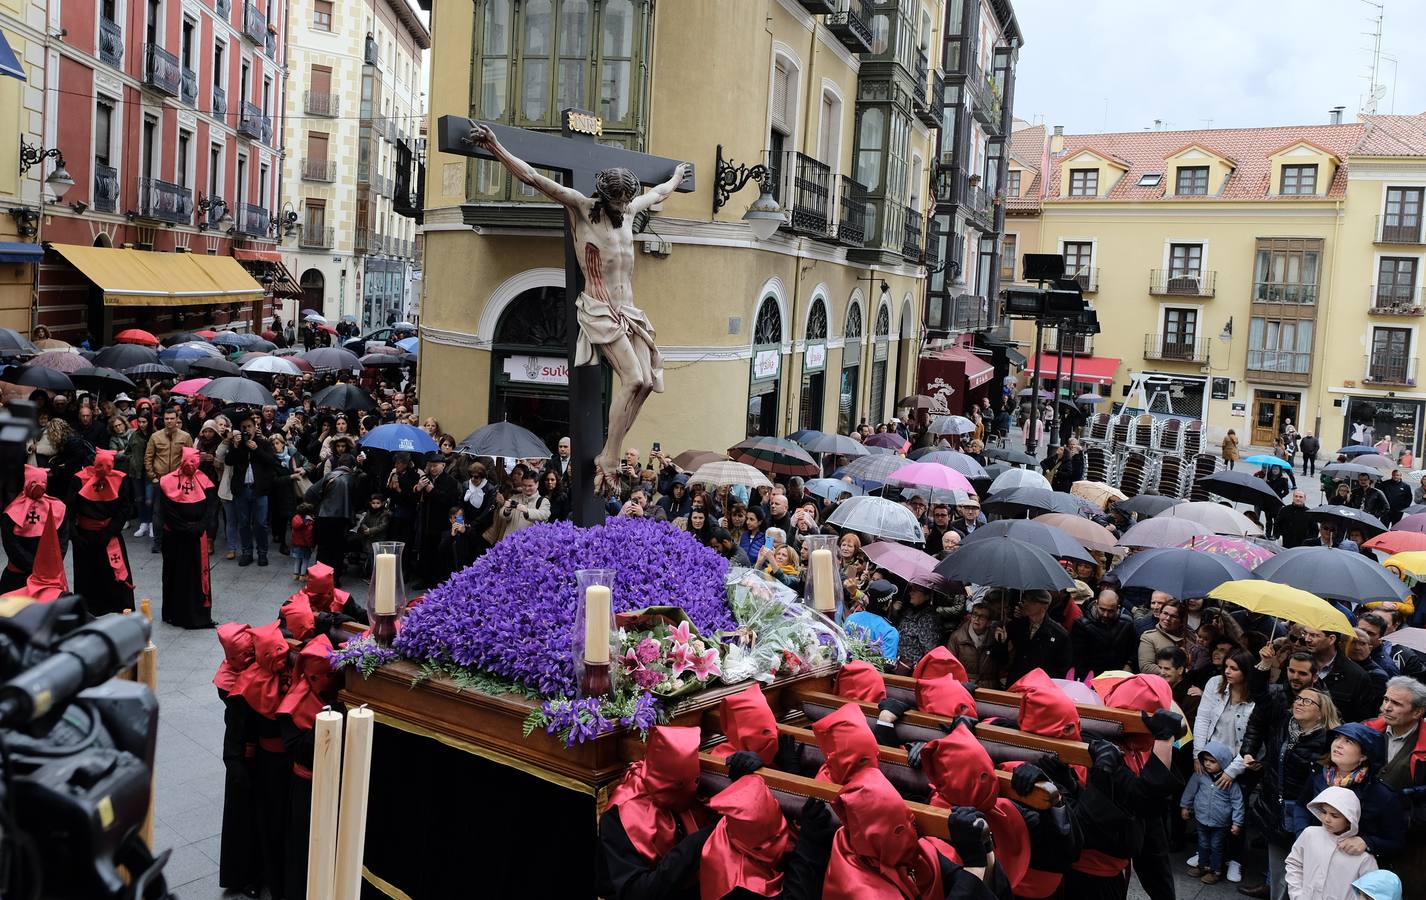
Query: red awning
{"points": [[1092, 369], [977, 370], [267, 256]]}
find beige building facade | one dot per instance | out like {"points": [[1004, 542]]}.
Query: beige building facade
{"points": [[22, 117]]}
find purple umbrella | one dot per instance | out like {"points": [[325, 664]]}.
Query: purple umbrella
{"points": [[889, 439], [1242, 551]]}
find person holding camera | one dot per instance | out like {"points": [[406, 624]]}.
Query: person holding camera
{"points": [[527, 508], [436, 493], [254, 464]]}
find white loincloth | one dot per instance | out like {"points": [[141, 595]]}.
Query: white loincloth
{"points": [[599, 325]]}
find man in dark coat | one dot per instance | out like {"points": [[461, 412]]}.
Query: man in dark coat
{"points": [[1352, 691], [1368, 498], [254, 465], [437, 493], [1105, 639], [1033, 641], [335, 499], [1293, 523], [1310, 447], [1398, 496]]}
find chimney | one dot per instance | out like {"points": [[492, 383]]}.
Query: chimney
{"points": [[1334, 115], [1057, 140]]}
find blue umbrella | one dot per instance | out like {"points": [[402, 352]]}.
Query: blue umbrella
{"points": [[187, 352], [228, 339], [409, 344], [1263, 459], [1355, 450], [399, 438]]}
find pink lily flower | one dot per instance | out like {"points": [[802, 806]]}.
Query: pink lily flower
{"points": [[682, 634], [681, 660], [705, 665]]}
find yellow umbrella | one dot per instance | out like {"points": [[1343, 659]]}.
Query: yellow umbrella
{"points": [[1284, 602], [1411, 563], [1098, 492]]}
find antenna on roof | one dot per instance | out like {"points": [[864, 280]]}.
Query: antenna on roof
{"points": [[1376, 90]]}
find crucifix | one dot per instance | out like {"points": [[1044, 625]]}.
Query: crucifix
{"points": [[601, 198]]}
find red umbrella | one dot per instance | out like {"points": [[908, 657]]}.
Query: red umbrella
{"points": [[190, 387], [206, 334], [299, 362], [327, 328], [1397, 541], [136, 336]]}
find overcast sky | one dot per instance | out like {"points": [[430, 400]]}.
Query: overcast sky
{"points": [[1237, 62]]}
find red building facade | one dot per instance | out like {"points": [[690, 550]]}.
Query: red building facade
{"points": [[169, 116]]}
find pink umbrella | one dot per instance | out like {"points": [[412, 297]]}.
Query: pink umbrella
{"points": [[898, 559], [1240, 550], [1078, 691], [932, 475], [1413, 522], [190, 387]]}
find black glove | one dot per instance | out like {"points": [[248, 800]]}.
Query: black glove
{"points": [[897, 708], [1024, 778], [1106, 756], [816, 822], [961, 722], [913, 753], [970, 836], [1164, 725], [789, 755], [744, 762], [1061, 774]]}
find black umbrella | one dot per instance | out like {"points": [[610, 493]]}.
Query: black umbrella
{"points": [[1021, 500], [1011, 456], [803, 434], [332, 358], [123, 356], [12, 343], [1053, 541], [260, 346], [213, 367], [1333, 574], [43, 377], [504, 439], [347, 397], [181, 337], [1241, 487], [102, 380], [1005, 563], [379, 360], [1146, 505], [1345, 517], [237, 390], [151, 370], [1180, 573]]}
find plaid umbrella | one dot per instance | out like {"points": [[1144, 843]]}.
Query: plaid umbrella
{"points": [[962, 463], [773, 455], [151, 370], [726, 471], [1242, 551], [874, 468]]}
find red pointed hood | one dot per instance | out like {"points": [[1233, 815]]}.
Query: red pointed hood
{"points": [[962, 774], [27, 511], [1045, 709], [859, 680], [236, 639], [309, 693], [1142, 693], [98, 481], [321, 591], [262, 683], [297, 617], [186, 484], [747, 845], [846, 742], [41, 516], [945, 696], [940, 662], [659, 792], [876, 854], [749, 724]]}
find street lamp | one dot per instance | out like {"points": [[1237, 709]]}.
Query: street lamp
{"points": [[215, 212], [764, 215], [59, 180]]}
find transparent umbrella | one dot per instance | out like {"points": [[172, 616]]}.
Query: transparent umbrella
{"points": [[879, 517]]}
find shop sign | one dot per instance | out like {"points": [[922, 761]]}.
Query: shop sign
{"points": [[1222, 388], [537, 369], [1240, 408], [766, 364], [815, 359]]}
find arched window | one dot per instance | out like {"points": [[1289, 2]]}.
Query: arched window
{"points": [[535, 319], [814, 367], [314, 289], [880, 347], [817, 321], [768, 329], [851, 370], [766, 369]]}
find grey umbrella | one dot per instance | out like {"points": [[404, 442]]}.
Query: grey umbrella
{"points": [[1181, 573], [237, 390], [214, 367], [1032, 500], [44, 378], [1350, 469], [1146, 504], [332, 358], [123, 356], [1345, 517], [1011, 456], [1005, 563], [874, 467], [504, 439], [878, 516], [1053, 541], [835, 444], [1241, 487], [1332, 574], [12, 343]]}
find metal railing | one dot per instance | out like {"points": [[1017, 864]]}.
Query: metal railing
{"points": [[1390, 368], [851, 211], [320, 238], [1087, 276], [849, 25], [1396, 300], [911, 239], [161, 70], [1275, 292], [322, 169], [188, 90], [220, 102], [321, 103], [164, 201], [254, 25], [224, 9], [111, 42], [1177, 348], [923, 69], [271, 46], [1058, 341], [253, 220], [1399, 230], [251, 122], [106, 188], [1179, 283], [817, 7], [802, 186], [1280, 366]]}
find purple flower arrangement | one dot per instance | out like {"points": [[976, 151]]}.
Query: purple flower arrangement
{"points": [[364, 653], [511, 613]]}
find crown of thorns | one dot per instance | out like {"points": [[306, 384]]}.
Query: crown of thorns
{"points": [[616, 182]]}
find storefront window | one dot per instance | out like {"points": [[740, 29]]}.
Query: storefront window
{"points": [[1394, 424], [766, 370]]}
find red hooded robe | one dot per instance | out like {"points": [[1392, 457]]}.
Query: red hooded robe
{"points": [[314, 681], [747, 845], [846, 742], [262, 684], [658, 793], [749, 724], [859, 680], [236, 639], [876, 854], [36, 515], [962, 774]]}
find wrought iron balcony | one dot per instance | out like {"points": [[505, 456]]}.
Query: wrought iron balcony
{"points": [[1279, 366], [1390, 368], [851, 212], [1182, 283], [379, 125], [803, 188], [921, 97], [251, 121], [254, 25], [1058, 341], [111, 43], [163, 201], [188, 91], [161, 71], [322, 169], [818, 7], [1399, 229], [271, 46], [253, 220], [316, 238], [224, 9], [849, 25], [969, 313], [930, 112], [1176, 348], [1295, 294], [106, 188], [911, 239], [220, 102], [1396, 300], [321, 103], [988, 95]]}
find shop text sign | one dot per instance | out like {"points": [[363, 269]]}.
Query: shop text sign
{"points": [[765, 364], [537, 369]]}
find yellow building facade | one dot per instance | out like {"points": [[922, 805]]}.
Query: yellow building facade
{"points": [[1245, 277], [818, 326], [22, 120]]}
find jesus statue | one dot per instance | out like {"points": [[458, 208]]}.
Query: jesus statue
{"points": [[608, 318]]}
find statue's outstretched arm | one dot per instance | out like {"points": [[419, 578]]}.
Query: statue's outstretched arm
{"points": [[483, 136], [661, 192]]}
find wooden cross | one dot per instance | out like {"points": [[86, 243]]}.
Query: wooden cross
{"points": [[579, 157]]}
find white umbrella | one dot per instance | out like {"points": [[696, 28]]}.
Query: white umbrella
{"points": [[951, 425], [729, 472], [1017, 478], [271, 365], [315, 317], [1221, 519], [879, 517]]}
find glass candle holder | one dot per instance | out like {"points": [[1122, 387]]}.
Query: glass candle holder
{"points": [[386, 600], [593, 641], [822, 588]]}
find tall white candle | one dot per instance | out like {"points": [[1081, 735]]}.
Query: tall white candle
{"points": [[822, 571], [383, 584], [356, 788], [596, 624], [326, 788]]}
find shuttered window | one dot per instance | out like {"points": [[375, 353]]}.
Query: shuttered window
{"points": [[781, 99]]}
